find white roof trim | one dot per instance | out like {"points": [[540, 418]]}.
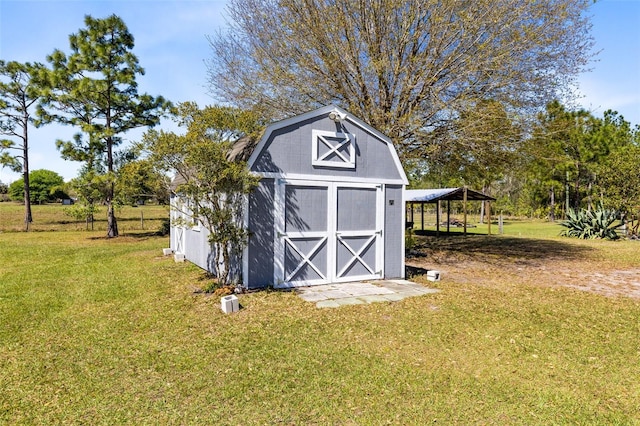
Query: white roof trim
{"points": [[328, 178], [325, 111]]}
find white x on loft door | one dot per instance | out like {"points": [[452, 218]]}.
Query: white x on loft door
{"points": [[327, 232]]}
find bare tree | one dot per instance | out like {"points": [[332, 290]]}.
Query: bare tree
{"points": [[409, 68]]}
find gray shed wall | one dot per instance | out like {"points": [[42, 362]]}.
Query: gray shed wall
{"points": [[260, 247], [172, 238], [197, 249], [289, 150], [394, 232]]}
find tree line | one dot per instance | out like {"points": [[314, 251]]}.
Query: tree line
{"points": [[471, 93], [570, 159]]}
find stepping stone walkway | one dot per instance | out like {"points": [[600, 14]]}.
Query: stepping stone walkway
{"points": [[358, 293]]}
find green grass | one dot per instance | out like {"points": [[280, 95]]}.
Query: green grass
{"points": [[97, 331], [52, 217], [511, 226]]}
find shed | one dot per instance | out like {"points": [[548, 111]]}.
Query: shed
{"points": [[329, 207], [428, 196]]}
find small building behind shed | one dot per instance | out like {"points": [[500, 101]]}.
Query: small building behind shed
{"points": [[420, 197]]}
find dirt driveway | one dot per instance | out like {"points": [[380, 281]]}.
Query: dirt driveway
{"points": [[484, 260]]}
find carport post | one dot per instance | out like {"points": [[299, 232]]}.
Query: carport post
{"points": [[464, 207], [411, 212], [438, 218], [489, 218]]}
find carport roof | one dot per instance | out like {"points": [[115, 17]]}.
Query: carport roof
{"points": [[435, 195]]}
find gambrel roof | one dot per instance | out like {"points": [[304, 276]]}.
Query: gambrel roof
{"points": [[386, 160]]}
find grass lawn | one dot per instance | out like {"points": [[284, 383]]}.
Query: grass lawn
{"points": [[97, 331], [511, 226], [51, 217]]}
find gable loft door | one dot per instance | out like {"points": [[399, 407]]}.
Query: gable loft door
{"points": [[327, 232]]}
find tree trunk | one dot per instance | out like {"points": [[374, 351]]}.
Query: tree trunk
{"points": [[576, 194], [552, 205], [112, 224], [566, 188], [27, 193]]}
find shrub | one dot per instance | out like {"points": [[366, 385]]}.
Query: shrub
{"points": [[409, 240], [165, 227], [591, 224]]}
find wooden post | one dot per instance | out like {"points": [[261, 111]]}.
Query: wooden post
{"points": [[422, 216], [448, 215], [489, 217], [142, 219], [411, 212], [438, 218], [464, 208]]}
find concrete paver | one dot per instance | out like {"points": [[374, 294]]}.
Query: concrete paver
{"points": [[328, 304], [376, 298], [336, 295]]}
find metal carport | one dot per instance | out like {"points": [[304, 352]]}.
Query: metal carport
{"points": [[435, 196]]}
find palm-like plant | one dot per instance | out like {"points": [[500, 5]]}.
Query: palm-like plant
{"points": [[591, 224]]}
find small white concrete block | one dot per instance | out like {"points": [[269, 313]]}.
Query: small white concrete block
{"points": [[229, 304], [167, 251], [433, 275], [178, 257]]}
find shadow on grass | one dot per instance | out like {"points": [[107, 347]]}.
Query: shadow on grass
{"points": [[482, 247], [141, 235], [104, 220]]}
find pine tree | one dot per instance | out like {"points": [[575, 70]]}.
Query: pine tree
{"points": [[94, 88], [19, 93]]}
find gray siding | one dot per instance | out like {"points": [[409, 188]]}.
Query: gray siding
{"points": [[199, 251], [289, 150], [394, 232], [260, 249], [305, 208], [197, 248], [356, 209], [172, 238]]}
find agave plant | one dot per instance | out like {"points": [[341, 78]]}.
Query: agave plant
{"points": [[591, 224]]}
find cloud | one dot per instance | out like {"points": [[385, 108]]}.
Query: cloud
{"points": [[599, 95]]}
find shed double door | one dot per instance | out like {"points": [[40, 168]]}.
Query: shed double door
{"points": [[328, 232]]}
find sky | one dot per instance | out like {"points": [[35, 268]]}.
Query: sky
{"points": [[171, 45]]}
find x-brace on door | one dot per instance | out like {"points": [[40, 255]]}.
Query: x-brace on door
{"points": [[327, 232]]}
